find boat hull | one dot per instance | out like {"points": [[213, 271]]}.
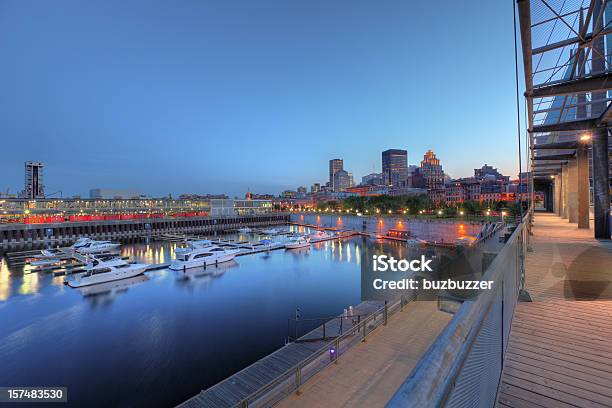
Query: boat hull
{"points": [[177, 265], [297, 245], [106, 248], [107, 277]]}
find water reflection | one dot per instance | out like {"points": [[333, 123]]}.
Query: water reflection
{"points": [[106, 292], [5, 281], [203, 277]]}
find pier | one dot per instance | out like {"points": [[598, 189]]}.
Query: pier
{"points": [[15, 236]]}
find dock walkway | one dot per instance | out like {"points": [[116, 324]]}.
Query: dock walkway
{"points": [[559, 353]]}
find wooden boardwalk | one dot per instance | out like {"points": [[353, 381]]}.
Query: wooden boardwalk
{"points": [[560, 348]]}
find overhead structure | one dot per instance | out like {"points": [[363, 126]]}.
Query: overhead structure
{"points": [[567, 58]]}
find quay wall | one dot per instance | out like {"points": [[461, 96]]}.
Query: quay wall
{"points": [[20, 235]]}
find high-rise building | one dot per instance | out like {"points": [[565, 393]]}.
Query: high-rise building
{"points": [[372, 179], [335, 165], [315, 188], [395, 167], [431, 170], [34, 186], [351, 181], [341, 181], [301, 190]]}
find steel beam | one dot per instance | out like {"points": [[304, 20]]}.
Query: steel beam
{"points": [[554, 157], [574, 125], [556, 146], [595, 83]]}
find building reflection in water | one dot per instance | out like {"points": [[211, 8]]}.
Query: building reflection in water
{"points": [[5, 281]]}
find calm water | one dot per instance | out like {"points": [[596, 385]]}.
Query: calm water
{"points": [[159, 339]]}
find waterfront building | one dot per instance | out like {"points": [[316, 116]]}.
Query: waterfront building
{"points": [[34, 183], [407, 190], [341, 181], [394, 167], [301, 191], [351, 181], [222, 207], [437, 195], [362, 190], [289, 194], [315, 188], [486, 170], [431, 170], [455, 193], [252, 206], [372, 179], [109, 193], [35, 211], [335, 165]]}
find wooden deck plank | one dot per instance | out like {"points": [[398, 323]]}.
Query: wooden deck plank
{"points": [[529, 395]]}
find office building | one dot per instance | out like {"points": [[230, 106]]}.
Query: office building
{"points": [[335, 165], [395, 167], [34, 186], [431, 171]]}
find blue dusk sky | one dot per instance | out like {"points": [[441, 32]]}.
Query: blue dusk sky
{"points": [[221, 96]]}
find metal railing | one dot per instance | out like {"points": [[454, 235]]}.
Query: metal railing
{"points": [[464, 365], [296, 376]]}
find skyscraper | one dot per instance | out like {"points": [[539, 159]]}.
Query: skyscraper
{"points": [[341, 181], [335, 165], [395, 167], [431, 170], [34, 187]]}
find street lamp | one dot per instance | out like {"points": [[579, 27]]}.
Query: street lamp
{"points": [[585, 137]]}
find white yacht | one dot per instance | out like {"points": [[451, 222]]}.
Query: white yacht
{"points": [[90, 246], [244, 230], [299, 241], [201, 253], [267, 244], [99, 271], [319, 235]]}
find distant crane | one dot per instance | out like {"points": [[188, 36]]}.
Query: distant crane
{"points": [[54, 193]]}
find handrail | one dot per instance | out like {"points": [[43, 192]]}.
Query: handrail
{"points": [[432, 380]]}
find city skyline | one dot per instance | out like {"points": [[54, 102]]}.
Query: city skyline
{"points": [[220, 98]]}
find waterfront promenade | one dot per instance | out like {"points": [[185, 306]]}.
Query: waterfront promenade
{"points": [[560, 353], [368, 374]]}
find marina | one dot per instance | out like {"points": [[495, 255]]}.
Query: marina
{"points": [[330, 268]]}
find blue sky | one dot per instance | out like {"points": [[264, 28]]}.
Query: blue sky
{"points": [[210, 97]]}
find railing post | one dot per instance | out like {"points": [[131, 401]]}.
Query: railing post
{"points": [[385, 313], [298, 379], [244, 403], [337, 346], [363, 328]]}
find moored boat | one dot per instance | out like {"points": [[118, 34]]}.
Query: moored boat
{"points": [[299, 241]]}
